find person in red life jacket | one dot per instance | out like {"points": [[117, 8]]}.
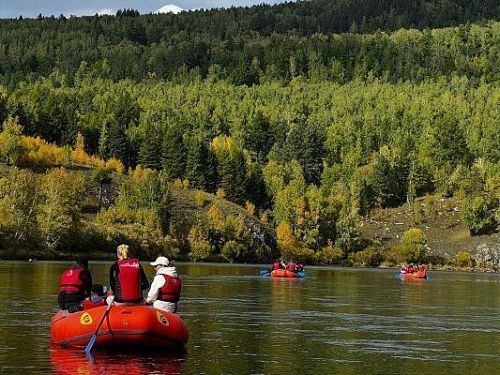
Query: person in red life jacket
{"points": [[299, 267], [165, 290], [127, 278], [291, 266], [76, 285], [276, 266], [97, 297]]}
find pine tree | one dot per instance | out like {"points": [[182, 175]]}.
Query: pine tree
{"points": [[173, 157], [201, 165], [150, 151]]}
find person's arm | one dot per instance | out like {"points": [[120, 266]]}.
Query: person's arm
{"points": [[144, 280], [112, 275], [156, 285]]}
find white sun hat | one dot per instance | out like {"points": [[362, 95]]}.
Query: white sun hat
{"points": [[162, 261]]}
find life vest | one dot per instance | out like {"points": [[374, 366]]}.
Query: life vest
{"points": [[276, 266], [291, 267], [171, 290], [71, 282], [87, 304], [129, 278]]}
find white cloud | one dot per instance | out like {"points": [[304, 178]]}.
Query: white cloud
{"points": [[170, 8], [104, 11]]}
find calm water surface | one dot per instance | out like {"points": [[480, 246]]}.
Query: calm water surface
{"points": [[337, 321]]}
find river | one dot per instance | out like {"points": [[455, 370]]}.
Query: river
{"points": [[335, 321]]}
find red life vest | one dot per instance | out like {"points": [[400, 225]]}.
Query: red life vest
{"points": [[291, 267], [129, 277], [171, 290], [87, 304], [276, 266], [71, 282]]}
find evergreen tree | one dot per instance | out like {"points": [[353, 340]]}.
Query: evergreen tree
{"points": [[150, 151], [201, 165], [173, 158]]}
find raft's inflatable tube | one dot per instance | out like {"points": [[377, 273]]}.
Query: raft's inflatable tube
{"points": [[419, 275], [124, 326], [286, 273]]}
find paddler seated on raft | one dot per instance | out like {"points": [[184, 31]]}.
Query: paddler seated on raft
{"points": [[299, 267], [279, 264], [421, 267], [75, 285], [127, 278], [97, 297], [165, 290], [291, 266]]}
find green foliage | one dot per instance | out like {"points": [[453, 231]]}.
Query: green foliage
{"points": [[463, 259], [233, 251], [330, 255], [174, 152], [144, 190], [413, 245], [477, 215], [369, 257], [142, 47], [18, 206], [102, 175], [11, 145], [61, 200], [311, 127]]}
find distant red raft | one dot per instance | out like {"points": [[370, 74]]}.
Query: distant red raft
{"points": [[286, 273], [419, 275], [124, 326]]}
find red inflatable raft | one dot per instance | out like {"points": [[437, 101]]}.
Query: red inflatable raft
{"points": [[124, 326], [419, 275], [285, 273]]}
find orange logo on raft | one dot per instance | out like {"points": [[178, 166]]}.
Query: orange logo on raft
{"points": [[85, 319], [161, 318]]}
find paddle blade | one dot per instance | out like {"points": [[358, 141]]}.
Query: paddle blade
{"points": [[89, 346]]}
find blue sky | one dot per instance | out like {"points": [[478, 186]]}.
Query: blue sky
{"points": [[31, 8]]}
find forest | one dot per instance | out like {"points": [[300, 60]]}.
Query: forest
{"points": [[303, 118]]}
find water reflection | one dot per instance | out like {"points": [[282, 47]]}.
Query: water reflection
{"points": [[340, 321], [74, 361]]}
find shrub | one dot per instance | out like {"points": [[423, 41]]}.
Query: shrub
{"points": [[220, 193], [463, 259], [200, 250], [199, 198], [115, 165], [393, 256], [330, 255], [250, 207], [413, 245], [476, 215], [369, 257], [232, 250], [178, 184], [11, 146]]}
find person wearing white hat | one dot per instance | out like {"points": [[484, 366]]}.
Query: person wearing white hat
{"points": [[166, 287]]}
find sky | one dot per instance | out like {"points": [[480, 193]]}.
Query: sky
{"points": [[32, 8]]}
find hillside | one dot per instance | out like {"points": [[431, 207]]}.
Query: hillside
{"points": [[442, 224], [162, 120]]}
